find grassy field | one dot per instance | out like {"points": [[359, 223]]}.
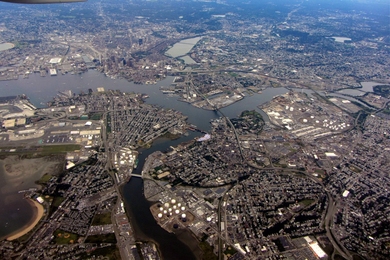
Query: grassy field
{"points": [[54, 149], [108, 252], [38, 151], [106, 238], [45, 178], [230, 251], [207, 250], [306, 202], [95, 116], [102, 219], [57, 200], [63, 238], [354, 169]]}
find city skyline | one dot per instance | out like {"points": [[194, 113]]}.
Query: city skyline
{"points": [[195, 130]]}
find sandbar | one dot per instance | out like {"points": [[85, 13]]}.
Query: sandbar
{"points": [[37, 215]]}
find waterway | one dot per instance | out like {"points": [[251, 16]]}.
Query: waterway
{"points": [[338, 94], [341, 39], [19, 211], [368, 86], [352, 92], [188, 60], [183, 47], [42, 89], [348, 98], [6, 46], [146, 228]]}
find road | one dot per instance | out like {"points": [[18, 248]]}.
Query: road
{"points": [[330, 211], [122, 247], [220, 243], [227, 118]]}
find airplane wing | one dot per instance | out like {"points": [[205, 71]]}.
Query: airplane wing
{"points": [[41, 1]]}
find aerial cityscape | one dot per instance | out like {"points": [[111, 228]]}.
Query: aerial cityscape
{"points": [[183, 129]]}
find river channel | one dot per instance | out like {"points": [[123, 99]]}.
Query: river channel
{"points": [[6, 46], [42, 89]]}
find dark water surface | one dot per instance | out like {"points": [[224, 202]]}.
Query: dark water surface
{"points": [[15, 212]]}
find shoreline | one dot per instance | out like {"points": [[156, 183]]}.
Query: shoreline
{"points": [[37, 215]]}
